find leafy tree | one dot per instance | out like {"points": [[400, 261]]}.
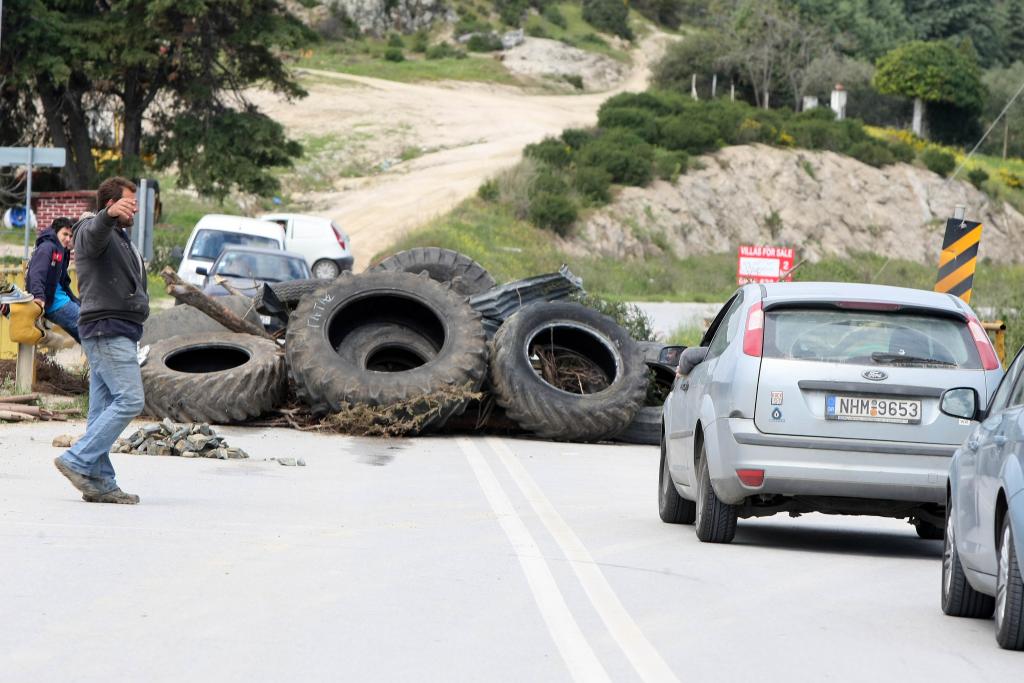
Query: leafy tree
{"points": [[608, 15], [704, 54], [181, 67], [1013, 48], [974, 19], [865, 29], [936, 71], [1002, 84]]}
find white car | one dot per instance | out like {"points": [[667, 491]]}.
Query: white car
{"points": [[214, 232], [324, 245]]}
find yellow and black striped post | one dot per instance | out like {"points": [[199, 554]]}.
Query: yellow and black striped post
{"points": [[959, 258]]}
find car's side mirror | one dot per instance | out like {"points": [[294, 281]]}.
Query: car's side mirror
{"points": [[202, 271], [669, 355], [962, 403], [691, 358]]}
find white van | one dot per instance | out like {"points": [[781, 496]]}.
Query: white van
{"points": [[324, 245], [215, 231]]}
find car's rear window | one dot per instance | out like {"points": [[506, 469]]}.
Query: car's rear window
{"points": [[868, 338], [209, 243]]}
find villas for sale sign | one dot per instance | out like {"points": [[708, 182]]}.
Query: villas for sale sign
{"points": [[764, 264]]}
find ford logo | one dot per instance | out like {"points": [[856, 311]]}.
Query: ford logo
{"points": [[875, 375]]}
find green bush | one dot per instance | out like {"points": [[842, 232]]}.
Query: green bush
{"points": [[903, 152], [577, 137], [547, 180], [593, 39], [593, 183], [483, 42], [470, 23], [669, 165], [610, 16], [551, 151], [660, 104], [536, 31], [977, 177], [444, 51], [394, 54], [872, 153], [488, 191], [575, 80], [938, 161], [622, 153], [679, 133], [511, 11], [629, 316], [553, 212], [640, 121], [420, 42], [555, 16], [395, 40], [815, 133]]}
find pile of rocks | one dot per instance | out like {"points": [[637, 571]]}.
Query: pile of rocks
{"points": [[192, 440]]}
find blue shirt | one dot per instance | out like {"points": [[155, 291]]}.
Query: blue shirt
{"points": [[60, 298]]}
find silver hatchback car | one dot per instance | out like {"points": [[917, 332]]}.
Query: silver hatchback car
{"points": [[823, 397]]}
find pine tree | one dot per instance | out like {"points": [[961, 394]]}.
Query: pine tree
{"points": [[1014, 41]]}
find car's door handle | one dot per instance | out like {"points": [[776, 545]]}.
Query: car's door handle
{"points": [[999, 439], [684, 385]]}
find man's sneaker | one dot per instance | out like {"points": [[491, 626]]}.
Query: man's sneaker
{"points": [[79, 481], [115, 496]]}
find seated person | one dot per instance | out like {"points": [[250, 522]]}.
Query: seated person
{"points": [[48, 280]]}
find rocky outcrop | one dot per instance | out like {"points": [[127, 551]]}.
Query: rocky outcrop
{"points": [[379, 17], [540, 58], [822, 203]]}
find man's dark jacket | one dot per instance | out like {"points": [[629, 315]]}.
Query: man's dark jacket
{"points": [[111, 273], [48, 269]]}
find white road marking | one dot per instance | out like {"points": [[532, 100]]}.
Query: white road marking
{"points": [[580, 659], [642, 655]]}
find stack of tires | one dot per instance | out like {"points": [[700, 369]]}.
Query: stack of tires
{"points": [[403, 331]]}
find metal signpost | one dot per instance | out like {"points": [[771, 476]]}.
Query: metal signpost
{"points": [[54, 157]]}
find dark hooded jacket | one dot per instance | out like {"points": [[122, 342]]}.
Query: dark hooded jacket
{"points": [[48, 269]]}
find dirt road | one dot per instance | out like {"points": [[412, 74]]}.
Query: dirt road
{"points": [[475, 129]]}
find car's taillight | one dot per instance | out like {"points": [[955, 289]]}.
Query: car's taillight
{"points": [[338, 236], [989, 359], [753, 336], [752, 478]]}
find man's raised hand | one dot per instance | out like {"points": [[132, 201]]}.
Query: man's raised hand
{"points": [[123, 208]]}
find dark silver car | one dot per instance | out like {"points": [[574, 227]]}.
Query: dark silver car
{"points": [[823, 397], [247, 268], [981, 570]]}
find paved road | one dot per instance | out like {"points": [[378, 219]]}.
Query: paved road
{"points": [[448, 559]]}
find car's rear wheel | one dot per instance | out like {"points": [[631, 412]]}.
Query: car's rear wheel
{"points": [[673, 508], [959, 599], [928, 531], [715, 520], [1009, 594], [326, 269]]}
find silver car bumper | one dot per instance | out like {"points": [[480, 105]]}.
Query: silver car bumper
{"points": [[812, 466]]}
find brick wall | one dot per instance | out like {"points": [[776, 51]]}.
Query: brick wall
{"points": [[50, 205]]}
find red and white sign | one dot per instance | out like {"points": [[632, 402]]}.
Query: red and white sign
{"points": [[763, 264]]}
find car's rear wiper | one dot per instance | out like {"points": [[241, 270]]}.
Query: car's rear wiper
{"points": [[895, 358]]}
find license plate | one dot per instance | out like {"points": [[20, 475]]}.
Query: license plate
{"points": [[862, 409], [265, 319]]}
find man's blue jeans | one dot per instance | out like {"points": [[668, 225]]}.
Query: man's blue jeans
{"points": [[67, 317], [115, 398]]}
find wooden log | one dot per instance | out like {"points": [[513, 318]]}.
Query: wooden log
{"points": [[9, 416], [191, 295], [27, 410], [223, 282], [21, 398]]}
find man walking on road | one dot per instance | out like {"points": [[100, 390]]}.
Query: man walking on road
{"points": [[115, 303]]}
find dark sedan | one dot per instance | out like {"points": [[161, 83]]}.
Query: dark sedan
{"points": [[245, 269]]}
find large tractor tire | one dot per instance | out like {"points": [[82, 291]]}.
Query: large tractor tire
{"points": [[566, 372], [179, 320], [367, 339], [219, 377], [466, 276]]}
